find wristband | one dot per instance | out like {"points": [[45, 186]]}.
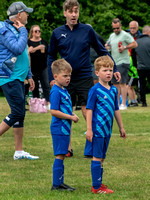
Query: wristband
{"points": [[125, 47]]}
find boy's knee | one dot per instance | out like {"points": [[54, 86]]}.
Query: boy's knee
{"points": [[99, 159], [61, 157]]}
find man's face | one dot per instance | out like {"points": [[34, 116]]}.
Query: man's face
{"points": [[133, 28], [23, 18], [72, 16], [116, 27]]}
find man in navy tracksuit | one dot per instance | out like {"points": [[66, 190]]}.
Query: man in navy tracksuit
{"points": [[72, 41]]}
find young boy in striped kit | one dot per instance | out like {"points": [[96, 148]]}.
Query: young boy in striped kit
{"points": [[62, 117], [101, 107]]}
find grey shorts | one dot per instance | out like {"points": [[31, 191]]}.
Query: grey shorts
{"points": [[123, 69]]}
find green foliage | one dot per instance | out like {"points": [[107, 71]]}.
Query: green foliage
{"points": [[98, 13], [3, 8]]}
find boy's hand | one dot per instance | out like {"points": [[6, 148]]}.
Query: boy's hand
{"points": [[75, 118], [89, 135], [122, 133]]}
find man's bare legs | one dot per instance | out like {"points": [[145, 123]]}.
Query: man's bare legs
{"points": [[123, 88], [3, 127], [83, 108], [119, 91], [131, 92], [18, 135], [132, 96]]}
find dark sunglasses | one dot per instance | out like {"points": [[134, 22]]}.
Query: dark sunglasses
{"points": [[37, 31], [116, 28]]}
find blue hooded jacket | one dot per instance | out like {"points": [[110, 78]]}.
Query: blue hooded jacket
{"points": [[12, 44]]}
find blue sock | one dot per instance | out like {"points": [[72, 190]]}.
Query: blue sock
{"points": [[57, 172], [62, 179], [101, 173], [96, 174]]}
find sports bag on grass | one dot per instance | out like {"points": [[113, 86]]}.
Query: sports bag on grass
{"points": [[37, 105]]}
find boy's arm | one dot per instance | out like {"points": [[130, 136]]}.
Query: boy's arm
{"points": [[120, 124], [89, 133], [62, 115]]}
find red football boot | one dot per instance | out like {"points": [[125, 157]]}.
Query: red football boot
{"points": [[102, 190]]}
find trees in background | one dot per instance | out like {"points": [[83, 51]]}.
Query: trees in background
{"points": [[99, 13]]}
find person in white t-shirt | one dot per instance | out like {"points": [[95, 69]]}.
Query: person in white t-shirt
{"points": [[119, 43]]}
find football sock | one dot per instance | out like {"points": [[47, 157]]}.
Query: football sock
{"points": [[96, 174], [62, 179], [101, 174], [57, 172]]}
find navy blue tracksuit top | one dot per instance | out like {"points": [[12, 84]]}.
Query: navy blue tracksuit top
{"points": [[74, 47]]}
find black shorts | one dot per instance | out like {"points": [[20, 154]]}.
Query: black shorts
{"points": [[80, 88], [14, 92]]}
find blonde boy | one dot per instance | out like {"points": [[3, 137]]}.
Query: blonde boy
{"points": [[62, 117], [101, 107]]}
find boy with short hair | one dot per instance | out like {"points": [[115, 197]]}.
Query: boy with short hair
{"points": [[62, 117], [101, 107]]}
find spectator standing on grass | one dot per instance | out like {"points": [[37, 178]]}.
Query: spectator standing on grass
{"points": [[14, 67], [143, 61], [133, 80], [102, 106], [119, 43], [62, 117], [72, 41], [37, 48]]}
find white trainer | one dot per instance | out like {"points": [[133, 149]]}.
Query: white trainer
{"points": [[122, 107], [24, 155]]}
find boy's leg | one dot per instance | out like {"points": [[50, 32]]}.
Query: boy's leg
{"points": [[58, 175], [57, 172], [100, 146], [60, 146], [96, 174]]}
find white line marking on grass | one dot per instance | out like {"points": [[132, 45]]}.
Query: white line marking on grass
{"points": [[132, 134], [113, 134]]}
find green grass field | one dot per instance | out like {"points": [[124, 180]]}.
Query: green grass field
{"points": [[126, 169]]}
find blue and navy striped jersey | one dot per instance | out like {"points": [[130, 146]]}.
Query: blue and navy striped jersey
{"points": [[103, 103], [60, 100]]}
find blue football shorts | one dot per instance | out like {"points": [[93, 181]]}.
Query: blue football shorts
{"points": [[100, 146], [60, 144]]}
